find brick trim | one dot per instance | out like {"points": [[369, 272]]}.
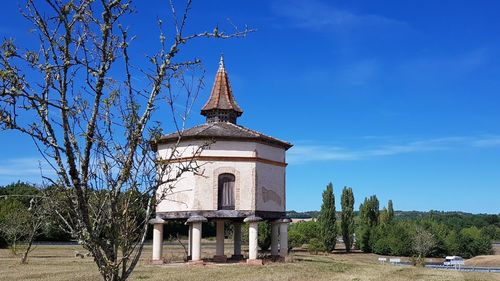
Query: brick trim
{"points": [[229, 159]]}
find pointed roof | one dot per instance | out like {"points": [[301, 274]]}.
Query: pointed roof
{"points": [[221, 97]]}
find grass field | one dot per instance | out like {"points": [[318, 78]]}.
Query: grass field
{"points": [[59, 263]]}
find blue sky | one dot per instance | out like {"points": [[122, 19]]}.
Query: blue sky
{"points": [[395, 98]]}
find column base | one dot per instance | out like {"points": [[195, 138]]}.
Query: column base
{"points": [[277, 258], [255, 262], [220, 258], [200, 262], [237, 257], [157, 262]]}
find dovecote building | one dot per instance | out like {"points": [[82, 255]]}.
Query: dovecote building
{"points": [[242, 179]]}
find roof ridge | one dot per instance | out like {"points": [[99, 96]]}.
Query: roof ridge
{"points": [[257, 132], [224, 130]]}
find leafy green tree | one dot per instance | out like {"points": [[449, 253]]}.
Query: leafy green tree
{"points": [[452, 243], [387, 214], [327, 219], [368, 219], [394, 239], [474, 242], [390, 211], [347, 222]]}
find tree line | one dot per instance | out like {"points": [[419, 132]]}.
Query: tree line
{"points": [[369, 229], [389, 232]]}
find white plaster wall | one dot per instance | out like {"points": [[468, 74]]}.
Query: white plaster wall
{"points": [[270, 152], [271, 194], [195, 192], [178, 195], [224, 148]]}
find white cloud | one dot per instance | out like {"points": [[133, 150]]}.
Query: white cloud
{"points": [[24, 169], [322, 16], [445, 65], [310, 152]]}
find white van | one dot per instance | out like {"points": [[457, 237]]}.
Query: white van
{"points": [[453, 260]]}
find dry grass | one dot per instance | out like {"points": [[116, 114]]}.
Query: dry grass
{"points": [[492, 261], [58, 263]]}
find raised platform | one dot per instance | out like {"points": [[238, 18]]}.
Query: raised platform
{"points": [[222, 214]]}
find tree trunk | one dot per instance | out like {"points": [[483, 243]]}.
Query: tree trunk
{"points": [[24, 259]]}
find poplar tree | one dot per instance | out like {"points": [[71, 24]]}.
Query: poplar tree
{"points": [[369, 218], [327, 219], [390, 211], [347, 223]]}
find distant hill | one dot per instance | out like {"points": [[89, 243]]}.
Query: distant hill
{"points": [[302, 215]]}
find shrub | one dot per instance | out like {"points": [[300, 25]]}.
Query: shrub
{"points": [[315, 246]]}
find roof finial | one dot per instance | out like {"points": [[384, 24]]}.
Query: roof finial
{"points": [[221, 62]]}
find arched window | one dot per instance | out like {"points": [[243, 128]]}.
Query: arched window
{"points": [[226, 192]]}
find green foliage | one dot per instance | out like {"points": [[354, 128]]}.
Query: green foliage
{"points": [[347, 217], [296, 239], [474, 242], [315, 246], [394, 239], [363, 241], [264, 238], [387, 214], [302, 232], [369, 211], [452, 243], [327, 219], [390, 211], [492, 231], [368, 220], [14, 201], [425, 238]]}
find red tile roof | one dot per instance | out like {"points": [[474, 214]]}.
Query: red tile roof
{"points": [[223, 131], [221, 97]]}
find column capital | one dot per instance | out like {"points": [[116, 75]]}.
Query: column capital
{"points": [[252, 218], [156, 221], [196, 218]]}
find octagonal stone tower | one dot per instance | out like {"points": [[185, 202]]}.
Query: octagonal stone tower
{"points": [[241, 178]]}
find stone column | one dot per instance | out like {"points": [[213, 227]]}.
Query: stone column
{"points": [[196, 224], [190, 241], [274, 238], [253, 231], [219, 250], [157, 240], [284, 237], [253, 240], [237, 241]]}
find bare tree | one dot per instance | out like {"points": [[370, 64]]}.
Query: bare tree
{"points": [[88, 107], [423, 242]]}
